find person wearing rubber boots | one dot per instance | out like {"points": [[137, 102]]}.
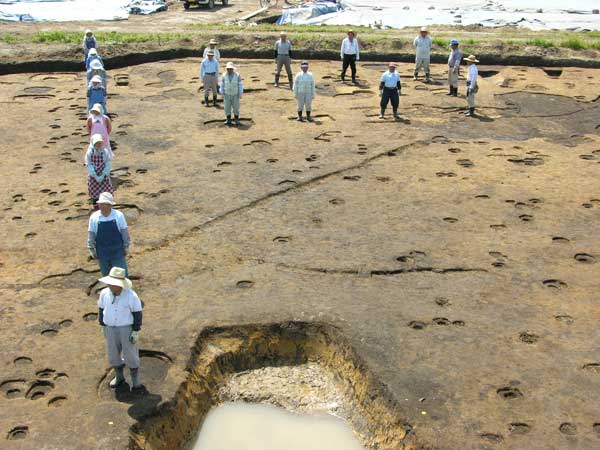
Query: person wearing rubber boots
{"points": [[209, 71], [472, 87], [454, 61], [108, 235], [232, 89], [349, 53], [422, 44], [304, 91], [120, 315], [283, 56], [389, 90]]}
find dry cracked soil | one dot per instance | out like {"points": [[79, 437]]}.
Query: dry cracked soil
{"points": [[457, 257]]}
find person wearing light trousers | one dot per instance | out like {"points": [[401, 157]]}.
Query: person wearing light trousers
{"points": [[283, 56], [232, 89], [422, 44], [304, 91], [454, 60], [472, 87]]}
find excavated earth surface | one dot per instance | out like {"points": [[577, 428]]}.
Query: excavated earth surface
{"points": [[457, 257]]}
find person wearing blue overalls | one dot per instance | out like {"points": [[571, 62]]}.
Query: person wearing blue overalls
{"points": [[108, 235], [96, 93]]}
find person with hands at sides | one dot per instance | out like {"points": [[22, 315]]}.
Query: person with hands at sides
{"points": [[349, 53], [472, 87], [304, 91], [389, 90]]}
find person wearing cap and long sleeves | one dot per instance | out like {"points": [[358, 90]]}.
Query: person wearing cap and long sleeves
{"points": [[92, 56], [99, 123], [96, 93], [454, 61], [350, 53], [108, 235], [96, 69], [89, 42], [283, 56], [212, 45], [209, 71], [304, 91], [472, 87], [97, 160], [389, 89], [232, 88], [422, 44], [120, 316]]}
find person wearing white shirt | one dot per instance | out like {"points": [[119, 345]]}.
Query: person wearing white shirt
{"points": [[108, 235], [349, 53], [472, 87], [283, 57], [422, 44], [304, 91], [120, 315], [389, 90], [212, 45], [209, 72]]}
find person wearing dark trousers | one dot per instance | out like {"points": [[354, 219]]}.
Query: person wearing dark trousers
{"points": [[389, 90], [349, 54], [283, 56]]}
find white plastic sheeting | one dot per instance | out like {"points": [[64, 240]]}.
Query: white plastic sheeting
{"points": [[78, 10], [533, 14]]}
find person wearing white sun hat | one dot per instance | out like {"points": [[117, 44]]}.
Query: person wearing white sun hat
{"points": [[96, 68], [96, 93], [472, 87], [99, 123], [97, 160], [232, 89], [89, 42], [92, 56], [120, 315], [422, 44]]}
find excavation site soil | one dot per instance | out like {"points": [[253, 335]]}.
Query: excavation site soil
{"points": [[433, 280]]}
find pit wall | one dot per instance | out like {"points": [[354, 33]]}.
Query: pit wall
{"points": [[219, 353]]}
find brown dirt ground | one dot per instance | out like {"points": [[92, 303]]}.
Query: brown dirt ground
{"points": [[370, 225]]}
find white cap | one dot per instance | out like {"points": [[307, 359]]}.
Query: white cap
{"points": [[97, 138]]}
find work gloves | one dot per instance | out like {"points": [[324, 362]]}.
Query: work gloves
{"points": [[134, 337], [93, 254]]}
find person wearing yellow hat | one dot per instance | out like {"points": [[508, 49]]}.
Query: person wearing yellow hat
{"points": [[232, 88], [472, 87], [120, 315], [212, 46], [89, 42], [283, 56], [422, 44]]}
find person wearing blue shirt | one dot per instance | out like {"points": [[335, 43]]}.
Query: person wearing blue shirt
{"points": [[96, 93], [209, 71], [89, 42], [389, 90], [92, 56]]}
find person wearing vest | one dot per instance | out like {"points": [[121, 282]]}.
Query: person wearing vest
{"points": [[350, 54], [304, 91], [454, 60], [120, 316], [389, 90], [232, 89], [422, 44], [472, 87], [89, 42], [283, 56], [108, 235], [209, 71]]}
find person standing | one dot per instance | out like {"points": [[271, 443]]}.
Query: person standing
{"points": [[349, 53], [97, 160], [472, 87], [232, 89], [96, 69], [89, 42], [454, 60], [108, 235], [92, 56], [212, 45], [120, 316], [96, 93], [283, 56], [209, 71], [422, 44], [304, 91], [389, 90], [98, 123]]}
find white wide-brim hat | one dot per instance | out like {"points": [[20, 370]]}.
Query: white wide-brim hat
{"points": [[472, 59], [93, 51], [95, 139], [230, 65], [116, 277], [424, 29], [88, 31], [97, 108], [96, 79], [106, 198], [95, 64]]}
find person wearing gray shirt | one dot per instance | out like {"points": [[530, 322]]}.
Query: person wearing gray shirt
{"points": [[283, 55], [454, 60]]}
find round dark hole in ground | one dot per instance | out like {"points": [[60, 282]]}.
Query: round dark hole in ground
{"points": [[17, 433], [50, 332], [568, 428], [245, 284]]}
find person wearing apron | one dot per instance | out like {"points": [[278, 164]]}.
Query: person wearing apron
{"points": [[108, 236]]}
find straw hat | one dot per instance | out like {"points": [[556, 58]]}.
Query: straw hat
{"points": [[97, 108], [95, 64], [304, 64], [213, 41], [210, 53], [472, 59], [96, 79], [351, 31], [106, 197], [424, 29], [392, 64], [95, 139], [93, 51], [116, 277], [230, 65]]}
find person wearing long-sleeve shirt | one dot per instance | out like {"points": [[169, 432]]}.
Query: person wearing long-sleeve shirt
{"points": [[96, 93], [349, 53], [209, 71], [232, 89], [283, 56], [454, 60], [92, 56], [120, 315], [422, 44], [304, 91], [89, 42], [389, 89], [472, 87], [212, 45], [108, 235]]}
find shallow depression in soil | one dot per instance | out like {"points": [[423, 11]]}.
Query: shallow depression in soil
{"points": [[245, 426]]}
